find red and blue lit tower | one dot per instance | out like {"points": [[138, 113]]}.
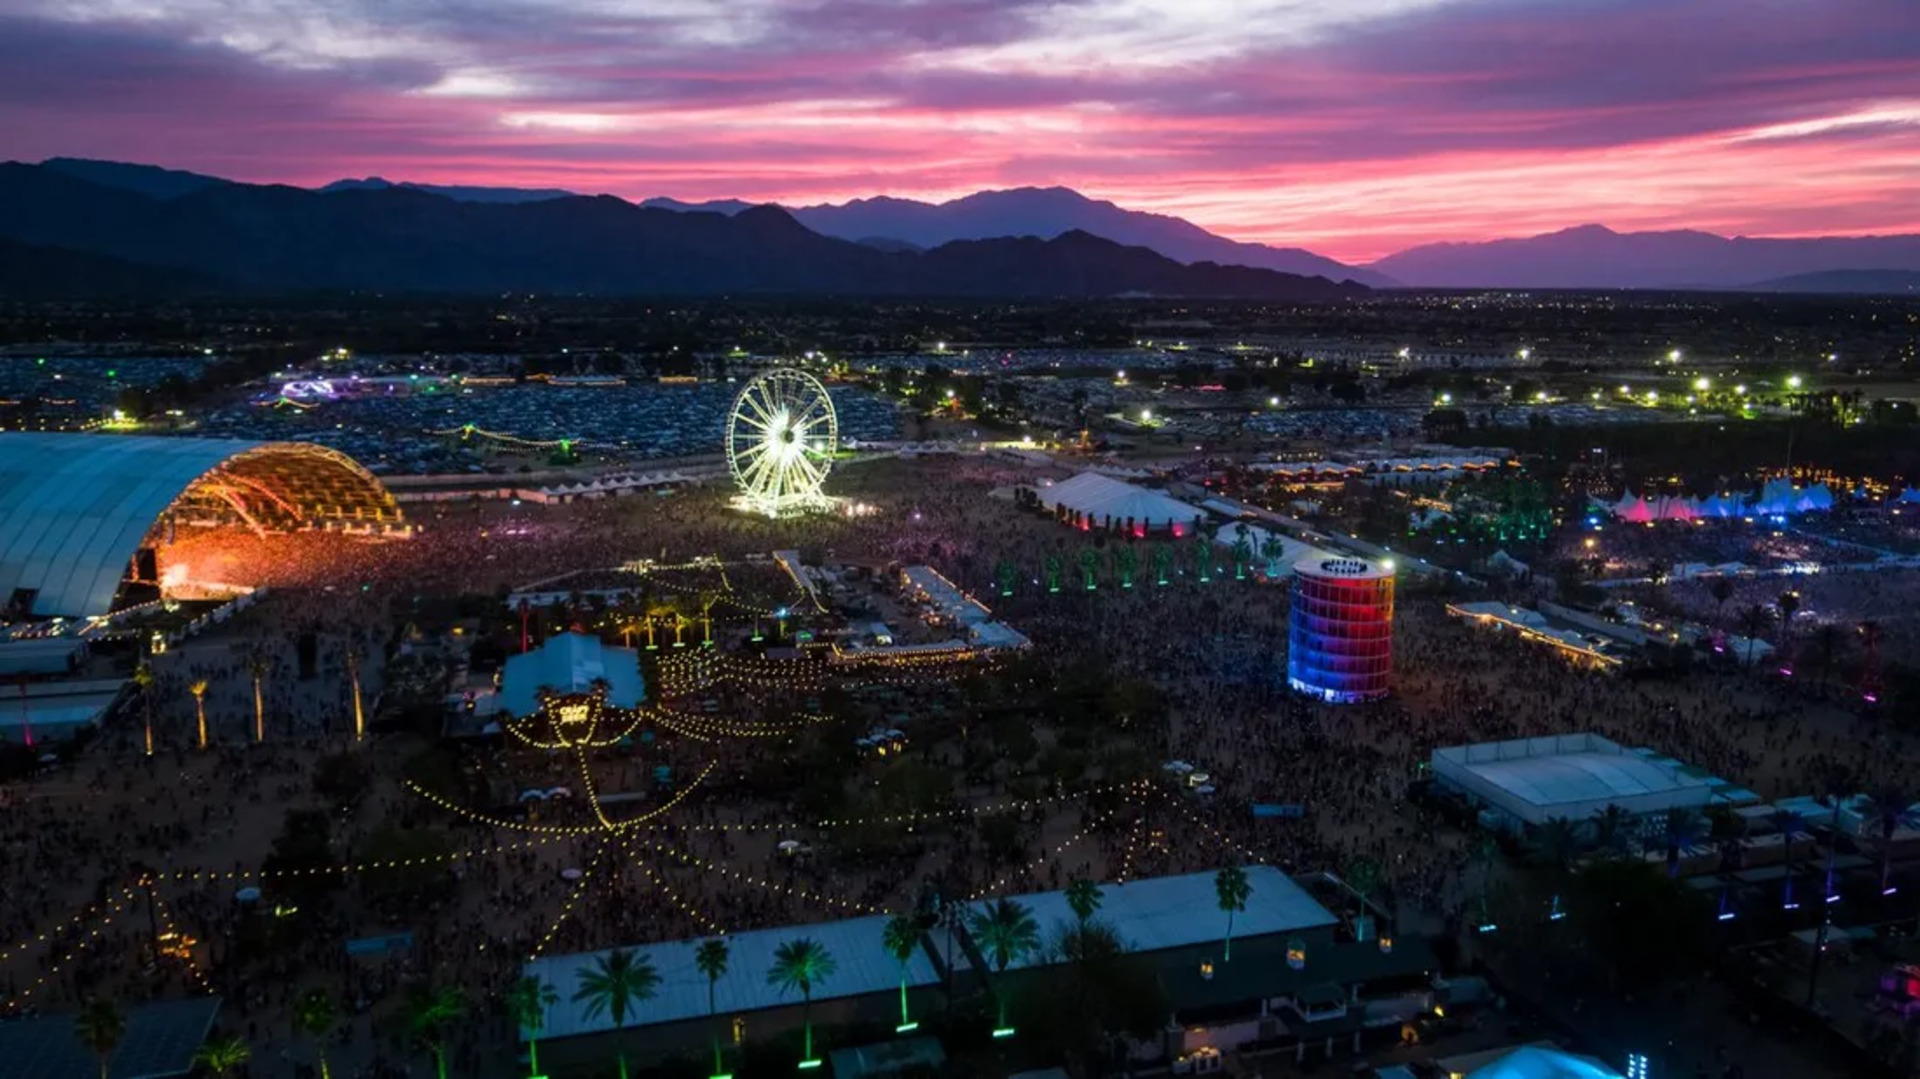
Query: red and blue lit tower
{"points": [[1340, 639]]}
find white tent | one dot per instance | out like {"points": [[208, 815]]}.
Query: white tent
{"points": [[1101, 499]]}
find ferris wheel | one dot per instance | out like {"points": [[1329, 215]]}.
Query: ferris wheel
{"points": [[781, 437]]}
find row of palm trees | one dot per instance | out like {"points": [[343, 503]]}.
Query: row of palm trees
{"points": [[617, 983], [258, 667]]}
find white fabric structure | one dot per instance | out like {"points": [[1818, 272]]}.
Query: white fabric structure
{"points": [[1778, 498], [1570, 775], [1099, 497], [571, 663]]}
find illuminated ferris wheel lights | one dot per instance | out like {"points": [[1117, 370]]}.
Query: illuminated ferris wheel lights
{"points": [[781, 438]]}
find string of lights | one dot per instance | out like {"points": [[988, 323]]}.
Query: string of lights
{"points": [[114, 909], [1045, 856], [180, 944], [566, 908], [183, 875], [24, 943], [785, 889], [707, 924]]}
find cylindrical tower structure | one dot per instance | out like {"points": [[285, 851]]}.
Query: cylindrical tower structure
{"points": [[1340, 639]]}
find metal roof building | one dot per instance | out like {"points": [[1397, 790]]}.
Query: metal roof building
{"points": [[1569, 775], [1156, 913], [75, 508], [861, 966]]}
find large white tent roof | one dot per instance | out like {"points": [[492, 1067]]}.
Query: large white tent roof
{"points": [[74, 508], [1100, 496], [1571, 776]]}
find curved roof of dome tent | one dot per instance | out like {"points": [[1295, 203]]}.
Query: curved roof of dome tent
{"points": [[75, 508]]}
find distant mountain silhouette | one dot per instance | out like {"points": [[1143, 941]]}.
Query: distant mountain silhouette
{"points": [[1047, 212], [393, 238], [30, 272], [711, 206], [149, 180], [1861, 282], [887, 243], [455, 192], [1593, 256]]}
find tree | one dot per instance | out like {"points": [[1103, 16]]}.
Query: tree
{"points": [[1230, 887], [1829, 640], [1721, 590], [1363, 876], [314, 1016], [800, 964], [1004, 932], [710, 958], [1835, 786], [257, 667], [198, 687], [1612, 830], [1789, 824], [1788, 603], [1889, 804], [220, 1055], [1684, 828], [100, 1026], [143, 677], [529, 999], [431, 1016], [1083, 898], [1753, 618], [615, 985], [901, 938], [1637, 922]]}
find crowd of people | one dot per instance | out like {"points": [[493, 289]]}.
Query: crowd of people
{"points": [[1215, 652]]}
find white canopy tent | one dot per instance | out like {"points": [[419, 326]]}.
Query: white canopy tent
{"points": [[1099, 498]]}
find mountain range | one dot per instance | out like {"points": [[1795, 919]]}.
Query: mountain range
{"points": [[1585, 257], [1593, 256], [137, 229]]}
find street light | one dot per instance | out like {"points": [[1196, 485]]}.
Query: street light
{"points": [[1702, 383], [1793, 382], [1526, 354], [1674, 356]]}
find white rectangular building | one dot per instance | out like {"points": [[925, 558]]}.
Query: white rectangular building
{"points": [[1569, 775]]}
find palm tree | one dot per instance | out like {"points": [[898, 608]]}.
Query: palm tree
{"points": [[1363, 876], [1684, 827], [1005, 931], [1753, 618], [1789, 824], [711, 959], [220, 1055], [528, 1001], [1083, 898], [1788, 603], [198, 687], [1231, 888], [801, 964], [257, 666], [143, 677], [353, 681], [616, 984], [1828, 642], [1612, 830], [1555, 842], [1721, 590], [431, 1014], [1889, 804], [1836, 784], [901, 938], [314, 1016], [101, 1026]]}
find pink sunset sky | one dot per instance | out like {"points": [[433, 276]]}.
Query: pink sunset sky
{"points": [[1352, 127]]}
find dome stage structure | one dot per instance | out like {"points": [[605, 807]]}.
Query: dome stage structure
{"points": [[82, 515]]}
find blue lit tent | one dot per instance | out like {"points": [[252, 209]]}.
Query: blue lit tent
{"points": [[1540, 1062]]}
